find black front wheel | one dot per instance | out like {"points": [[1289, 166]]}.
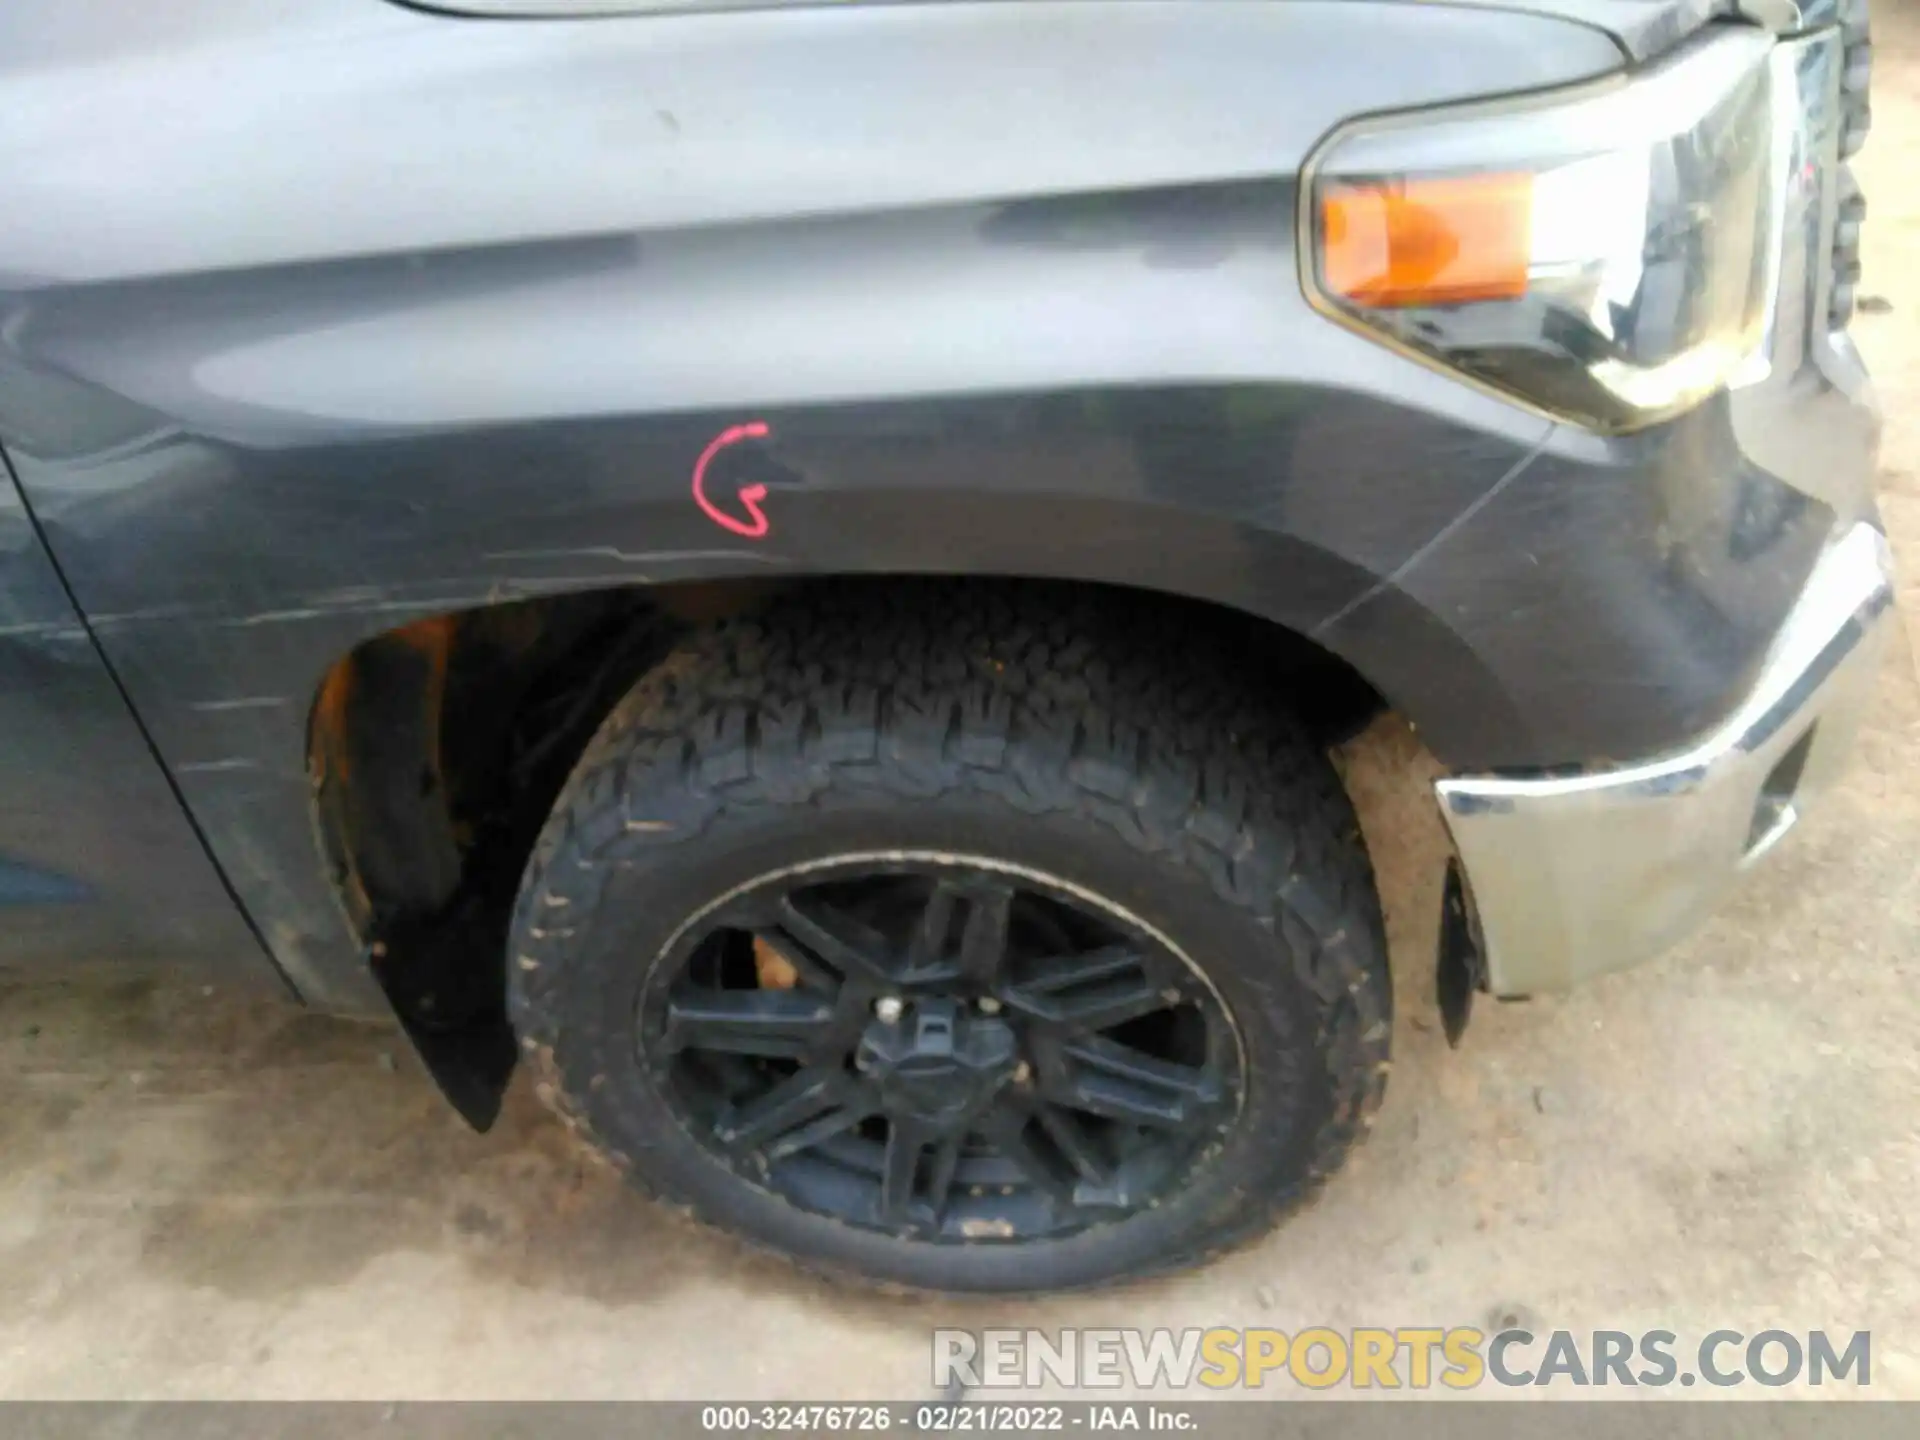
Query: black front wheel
{"points": [[940, 1047], [921, 956]]}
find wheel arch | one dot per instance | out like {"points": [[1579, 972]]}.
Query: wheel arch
{"points": [[436, 748]]}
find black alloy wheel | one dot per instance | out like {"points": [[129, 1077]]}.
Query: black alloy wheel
{"points": [[959, 938], [943, 1048]]}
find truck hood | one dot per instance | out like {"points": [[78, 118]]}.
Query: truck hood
{"points": [[1645, 28], [1641, 28]]}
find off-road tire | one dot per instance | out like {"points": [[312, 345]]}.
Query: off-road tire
{"points": [[1091, 738]]}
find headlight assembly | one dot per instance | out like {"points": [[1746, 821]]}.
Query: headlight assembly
{"points": [[1605, 256]]}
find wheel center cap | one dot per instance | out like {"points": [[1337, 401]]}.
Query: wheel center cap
{"points": [[937, 1064]]}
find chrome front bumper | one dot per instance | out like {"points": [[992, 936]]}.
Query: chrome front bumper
{"points": [[1574, 876]]}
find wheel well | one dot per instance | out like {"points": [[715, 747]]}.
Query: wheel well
{"points": [[438, 748]]}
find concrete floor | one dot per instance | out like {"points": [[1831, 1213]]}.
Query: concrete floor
{"points": [[200, 1197]]}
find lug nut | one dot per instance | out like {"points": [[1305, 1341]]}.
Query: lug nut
{"points": [[889, 1009], [989, 1005]]}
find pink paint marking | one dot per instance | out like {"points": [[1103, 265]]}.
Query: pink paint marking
{"points": [[750, 495]]}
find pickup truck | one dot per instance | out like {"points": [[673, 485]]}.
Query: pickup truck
{"points": [[792, 568]]}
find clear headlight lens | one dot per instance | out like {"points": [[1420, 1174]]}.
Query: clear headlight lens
{"points": [[1606, 257]]}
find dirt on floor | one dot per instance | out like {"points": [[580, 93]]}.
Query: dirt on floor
{"points": [[204, 1197]]}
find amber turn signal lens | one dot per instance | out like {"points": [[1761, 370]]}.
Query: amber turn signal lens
{"points": [[1396, 243]]}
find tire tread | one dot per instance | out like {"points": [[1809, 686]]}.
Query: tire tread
{"points": [[1046, 699]]}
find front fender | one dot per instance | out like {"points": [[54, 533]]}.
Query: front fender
{"points": [[369, 340]]}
